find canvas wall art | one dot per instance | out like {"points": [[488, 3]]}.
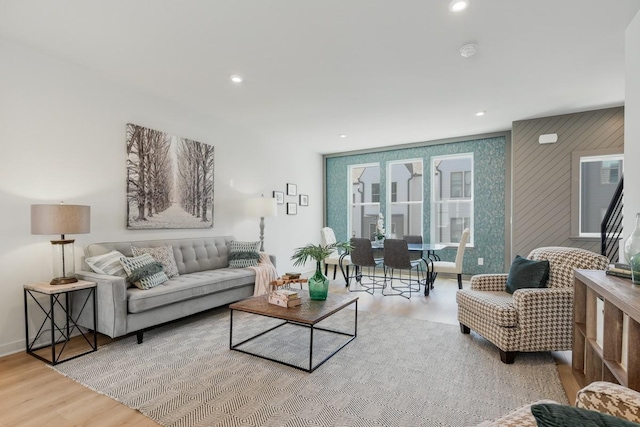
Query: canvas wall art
{"points": [[169, 181]]}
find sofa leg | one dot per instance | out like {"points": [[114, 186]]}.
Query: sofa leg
{"points": [[507, 356], [139, 336], [464, 329]]}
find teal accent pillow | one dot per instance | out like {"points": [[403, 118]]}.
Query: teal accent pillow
{"points": [[243, 254], [555, 415], [527, 273], [144, 271]]}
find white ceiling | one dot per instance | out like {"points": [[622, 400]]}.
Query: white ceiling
{"points": [[382, 72]]}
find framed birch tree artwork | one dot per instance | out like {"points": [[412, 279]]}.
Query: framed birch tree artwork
{"points": [[169, 181]]}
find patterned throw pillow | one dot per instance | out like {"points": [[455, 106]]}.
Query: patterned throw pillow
{"points": [[108, 263], [162, 254], [243, 254], [143, 271]]}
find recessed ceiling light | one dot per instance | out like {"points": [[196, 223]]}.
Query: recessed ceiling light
{"points": [[236, 78], [458, 5], [480, 113], [342, 135]]}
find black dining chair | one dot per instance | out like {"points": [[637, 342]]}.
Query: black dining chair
{"points": [[399, 268], [364, 267]]}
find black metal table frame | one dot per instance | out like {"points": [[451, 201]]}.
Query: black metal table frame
{"points": [[311, 329], [64, 334]]}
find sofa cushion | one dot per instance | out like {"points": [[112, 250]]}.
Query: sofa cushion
{"points": [[550, 415], [108, 263], [495, 306], [162, 254], [142, 273], [526, 273], [243, 254], [188, 286]]}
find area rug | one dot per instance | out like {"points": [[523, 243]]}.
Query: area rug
{"points": [[397, 372]]}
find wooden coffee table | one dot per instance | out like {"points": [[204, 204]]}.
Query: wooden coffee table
{"points": [[308, 314]]}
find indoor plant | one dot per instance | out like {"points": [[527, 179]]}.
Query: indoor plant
{"points": [[318, 283]]}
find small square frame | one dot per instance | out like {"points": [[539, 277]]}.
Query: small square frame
{"points": [[279, 196], [304, 200], [292, 189], [292, 208]]}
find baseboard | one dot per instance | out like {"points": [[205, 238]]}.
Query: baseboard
{"points": [[12, 348]]}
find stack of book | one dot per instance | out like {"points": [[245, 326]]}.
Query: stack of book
{"points": [[285, 298], [619, 270]]}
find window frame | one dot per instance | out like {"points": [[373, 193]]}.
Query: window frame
{"points": [[470, 199], [576, 185], [389, 223], [350, 194]]}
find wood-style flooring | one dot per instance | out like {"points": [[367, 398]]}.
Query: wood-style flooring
{"points": [[32, 394]]}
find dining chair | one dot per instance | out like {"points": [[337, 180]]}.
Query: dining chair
{"points": [[364, 267], [454, 267], [397, 257], [411, 240], [328, 237]]}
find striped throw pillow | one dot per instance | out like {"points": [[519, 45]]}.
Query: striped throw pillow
{"points": [[243, 254], [162, 254], [108, 263], [144, 271]]}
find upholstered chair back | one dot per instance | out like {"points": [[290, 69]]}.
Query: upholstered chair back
{"points": [[562, 262]]}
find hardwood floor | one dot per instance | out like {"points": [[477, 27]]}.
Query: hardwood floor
{"points": [[32, 394]]}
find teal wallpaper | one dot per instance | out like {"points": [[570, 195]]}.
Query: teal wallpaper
{"points": [[489, 195]]}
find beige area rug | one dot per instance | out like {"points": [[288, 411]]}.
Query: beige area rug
{"points": [[397, 372]]}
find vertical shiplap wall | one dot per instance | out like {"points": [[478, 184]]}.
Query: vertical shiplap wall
{"points": [[542, 175]]}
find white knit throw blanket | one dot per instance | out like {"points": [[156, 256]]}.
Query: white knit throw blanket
{"points": [[265, 273]]}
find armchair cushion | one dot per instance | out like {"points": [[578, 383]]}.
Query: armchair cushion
{"points": [[553, 415], [495, 307], [527, 273], [610, 398]]}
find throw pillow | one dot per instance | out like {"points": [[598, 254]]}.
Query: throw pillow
{"points": [[143, 271], [162, 254], [108, 263], [243, 254], [555, 415], [527, 273]]}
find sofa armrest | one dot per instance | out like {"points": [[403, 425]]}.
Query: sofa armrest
{"points": [[609, 398], [111, 297], [545, 317], [489, 282]]}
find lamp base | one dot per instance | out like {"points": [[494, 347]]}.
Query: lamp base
{"points": [[63, 280]]}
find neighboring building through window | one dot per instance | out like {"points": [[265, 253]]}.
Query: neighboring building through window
{"points": [[365, 199], [593, 189], [406, 197], [451, 197]]}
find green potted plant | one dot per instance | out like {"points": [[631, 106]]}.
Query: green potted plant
{"points": [[318, 283]]}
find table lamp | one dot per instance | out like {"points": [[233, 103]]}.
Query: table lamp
{"points": [[262, 208], [61, 219]]}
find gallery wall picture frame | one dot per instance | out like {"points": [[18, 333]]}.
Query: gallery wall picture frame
{"points": [[279, 196], [292, 189], [304, 200], [292, 208]]}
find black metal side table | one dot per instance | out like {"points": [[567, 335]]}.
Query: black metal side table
{"points": [[60, 333]]}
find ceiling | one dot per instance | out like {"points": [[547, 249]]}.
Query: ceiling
{"points": [[381, 72]]}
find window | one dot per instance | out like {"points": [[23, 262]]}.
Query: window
{"points": [[596, 175], [365, 199], [405, 194], [451, 197], [375, 192]]}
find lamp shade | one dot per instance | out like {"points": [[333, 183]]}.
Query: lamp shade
{"points": [[60, 219], [262, 208]]}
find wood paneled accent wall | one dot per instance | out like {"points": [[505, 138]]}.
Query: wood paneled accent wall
{"points": [[542, 175]]}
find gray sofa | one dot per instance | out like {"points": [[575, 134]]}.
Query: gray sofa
{"points": [[205, 282]]}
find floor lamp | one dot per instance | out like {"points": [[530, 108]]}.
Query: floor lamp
{"points": [[61, 219], [262, 208]]}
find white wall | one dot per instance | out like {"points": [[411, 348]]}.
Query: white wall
{"points": [[62, 130], [632, 125]]}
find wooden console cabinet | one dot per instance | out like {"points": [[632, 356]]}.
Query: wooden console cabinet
{"points": [[590, 360]]}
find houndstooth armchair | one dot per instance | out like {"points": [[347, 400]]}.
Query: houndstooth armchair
{"points": [[530, 319]]}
